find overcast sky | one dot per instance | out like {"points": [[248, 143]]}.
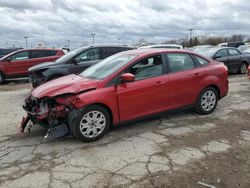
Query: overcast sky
{"points": [[56, 21]]}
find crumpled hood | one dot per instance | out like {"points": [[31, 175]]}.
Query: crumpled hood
{"points": [[64, 85]]}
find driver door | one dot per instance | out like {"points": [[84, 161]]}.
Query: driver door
{"points": [[19, 64], [148, 93]]}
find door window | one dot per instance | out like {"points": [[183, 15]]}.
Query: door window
{"points": [[180, 62], [88, 55], [201, 61], [146, 68], [42, 53], [233, 52], [20, 56], [108, 51], [221, 53]]}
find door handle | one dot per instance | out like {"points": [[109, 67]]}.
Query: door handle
{"points": [[196, 74], [159, 83]]}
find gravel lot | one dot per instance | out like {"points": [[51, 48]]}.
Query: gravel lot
{"points": [[170, 150]]}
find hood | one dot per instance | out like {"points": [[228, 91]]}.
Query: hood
{"points": [[41, 66], [64, 85]]}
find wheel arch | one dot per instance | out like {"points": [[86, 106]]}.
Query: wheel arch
{"points": [[106, 108]]}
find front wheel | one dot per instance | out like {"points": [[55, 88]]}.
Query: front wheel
{"points": [[207, 101], [243, 68], [92, 123]]}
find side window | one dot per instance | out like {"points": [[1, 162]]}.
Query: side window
{"points": [[146, 68], [201, 61], [38, 53], [20, 56], [180, 62], [108, 51], [233, 52], [221, 53], [88, 55], [51, 52]]}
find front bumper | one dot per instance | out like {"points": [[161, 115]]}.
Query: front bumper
{"points": [[51, 117]]}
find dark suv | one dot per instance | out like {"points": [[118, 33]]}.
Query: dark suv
{"points": [[73, 62], [16, 64]]}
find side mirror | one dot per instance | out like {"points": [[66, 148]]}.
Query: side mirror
{"points": [[127, 77], [8, 59]]}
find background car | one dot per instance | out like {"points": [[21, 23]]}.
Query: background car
{"points": [[6, 51], [124, 87], [73, 62], [245, 48], [233, 58], [168, 46], [16, 64]]}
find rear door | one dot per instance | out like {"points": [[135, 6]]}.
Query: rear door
{"points": [[234, 59], [184, 79], [19, 64], [84, 60]]}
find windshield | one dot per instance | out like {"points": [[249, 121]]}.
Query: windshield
{"points": [[69, 55], [209, 52], [107, 66]]}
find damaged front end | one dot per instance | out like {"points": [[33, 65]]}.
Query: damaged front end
{"points": [[49, 112]]}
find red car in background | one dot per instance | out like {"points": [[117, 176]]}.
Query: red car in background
{"points": [[124, 87], [248, 73], [16, 64]]}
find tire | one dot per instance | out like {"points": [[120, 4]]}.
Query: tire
{"points": [[243, 68], [2, 79], [86, 127], [207, 101]]}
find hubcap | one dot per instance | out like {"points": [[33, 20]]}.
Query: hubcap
{"points": [[208, 101], [92, 124], [243, 68]]}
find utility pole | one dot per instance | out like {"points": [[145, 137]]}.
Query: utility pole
{"points": [[93, 36], [26, 41], [190, 36], [68, 43]]}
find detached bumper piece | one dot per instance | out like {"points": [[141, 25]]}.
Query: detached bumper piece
{"points": [[56, 132]]}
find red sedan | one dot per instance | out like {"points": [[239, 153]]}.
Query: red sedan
{"points": [[124, 87]]}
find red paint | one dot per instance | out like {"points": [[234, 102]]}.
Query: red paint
{"points": [[248, 72], [134, 99]]}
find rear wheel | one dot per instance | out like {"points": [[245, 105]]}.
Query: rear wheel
{"points": [[243, 68], [92, 123], [2, 80], [207, 101]]}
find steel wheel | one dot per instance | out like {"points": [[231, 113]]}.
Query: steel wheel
{"points": [[92, 124], [208, 101], [243, 68]]}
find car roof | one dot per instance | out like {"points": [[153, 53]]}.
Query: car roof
{"points": [[108, 45], [149, 51]]}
